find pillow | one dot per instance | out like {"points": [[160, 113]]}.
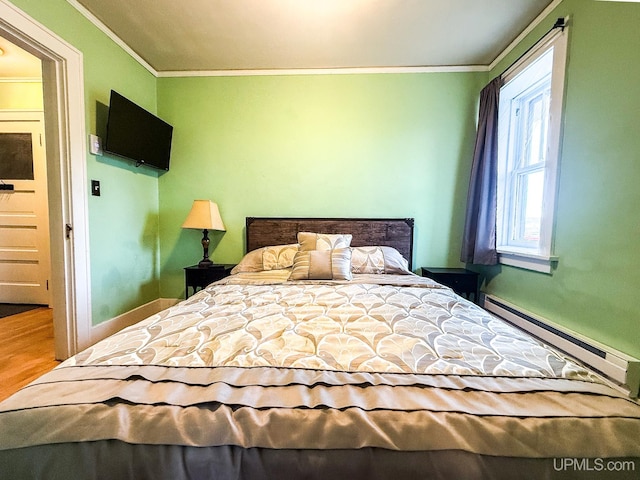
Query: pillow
{"points": [[322, 265], [378, 260], [267, 258], [322, 241]]}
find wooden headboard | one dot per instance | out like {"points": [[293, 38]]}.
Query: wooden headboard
{"points": [[391, 232]]}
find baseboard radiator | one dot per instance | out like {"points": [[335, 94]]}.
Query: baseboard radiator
{"points": [[623, 370]]}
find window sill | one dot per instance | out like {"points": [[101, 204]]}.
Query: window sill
{"points": [[528, 261]]}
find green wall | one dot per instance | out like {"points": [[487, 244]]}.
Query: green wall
{"points": [[21, 95], [123, 222], [594, 289], [320, 145]]}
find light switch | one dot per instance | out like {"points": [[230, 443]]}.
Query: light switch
{"points": [[95, 188]]}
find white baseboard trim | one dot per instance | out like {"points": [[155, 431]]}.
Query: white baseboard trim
{"points": [[105, 329], [622, 369]]}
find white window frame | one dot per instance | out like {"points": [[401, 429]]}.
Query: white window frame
{"points": [[536, 256]]}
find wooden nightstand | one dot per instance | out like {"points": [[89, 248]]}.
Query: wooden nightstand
{"points": [[198, 278], [464, 282]]}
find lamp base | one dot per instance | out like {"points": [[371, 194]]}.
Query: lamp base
{"points": [[205, 262]]}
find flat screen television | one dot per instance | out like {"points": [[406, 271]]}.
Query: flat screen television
{"points": [[136, 134]]}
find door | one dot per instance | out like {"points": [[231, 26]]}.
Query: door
{"points": [[24, 212]]}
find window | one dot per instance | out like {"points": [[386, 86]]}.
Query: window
{"points": [[529, 132], [16, 156]]}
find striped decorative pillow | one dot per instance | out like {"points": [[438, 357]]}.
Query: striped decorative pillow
{"points": [[322, 265]]}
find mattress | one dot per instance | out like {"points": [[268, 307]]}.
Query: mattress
{"points": [[258, 376]]}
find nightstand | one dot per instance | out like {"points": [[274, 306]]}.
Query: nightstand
{"points": [[464, 282], [198, 277]]}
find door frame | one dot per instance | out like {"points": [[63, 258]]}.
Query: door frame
{"points": [[64, 112]]}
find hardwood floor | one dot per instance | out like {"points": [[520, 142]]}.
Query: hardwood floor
{"points": [[26, 349]]}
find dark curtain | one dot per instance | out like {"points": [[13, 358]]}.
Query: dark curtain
{"points": [[479, 240]]}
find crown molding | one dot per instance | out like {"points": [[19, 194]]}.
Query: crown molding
{"points": [[323, 71], [20, 79]]}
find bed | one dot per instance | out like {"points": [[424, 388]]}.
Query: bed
{"points": [[280, 372]]}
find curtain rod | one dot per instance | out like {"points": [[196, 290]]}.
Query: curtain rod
{"points": [[560, 23]]}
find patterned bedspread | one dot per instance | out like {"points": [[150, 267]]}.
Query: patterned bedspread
{"points": [[377, 323], [391, 362]]}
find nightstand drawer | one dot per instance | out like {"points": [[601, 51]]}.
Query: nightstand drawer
{"points": [[197, 277], [464, 282]]}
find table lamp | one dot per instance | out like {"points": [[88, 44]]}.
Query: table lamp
{"points": [[205, 216]]}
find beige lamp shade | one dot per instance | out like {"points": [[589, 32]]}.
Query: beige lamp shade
{"points": [[204, 215]]}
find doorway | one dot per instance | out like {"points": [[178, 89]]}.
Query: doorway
{"points": [[64, 115], [24, 206], [24, 210]]}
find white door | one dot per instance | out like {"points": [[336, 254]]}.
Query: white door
{"points": [[24, 212]]}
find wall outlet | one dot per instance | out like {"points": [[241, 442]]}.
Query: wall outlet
{"points": [[95, 145]]}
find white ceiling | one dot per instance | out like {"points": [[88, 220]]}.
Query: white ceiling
{"points": [[213, 35], [17, 63]]}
